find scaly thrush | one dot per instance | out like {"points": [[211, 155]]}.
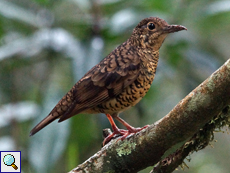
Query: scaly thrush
{"points": [[119, 81]]}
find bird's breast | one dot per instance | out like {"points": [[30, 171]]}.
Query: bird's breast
{"points": [[133, 93]]}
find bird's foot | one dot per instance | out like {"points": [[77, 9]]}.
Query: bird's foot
{"points": [[122, 133], [132, 131], [135, 130], [115, 134]]}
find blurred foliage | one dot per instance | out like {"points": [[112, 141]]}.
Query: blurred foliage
{"points": [[47, 45]]}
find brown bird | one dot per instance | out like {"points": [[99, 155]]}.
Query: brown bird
{"points": [[119, 81]]}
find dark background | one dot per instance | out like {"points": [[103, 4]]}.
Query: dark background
{"points": [[46, 46]]}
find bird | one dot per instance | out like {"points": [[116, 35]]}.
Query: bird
{"points": [[117, 82]]}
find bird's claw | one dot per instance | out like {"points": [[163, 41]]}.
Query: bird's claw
{"points": [[122, 134]]}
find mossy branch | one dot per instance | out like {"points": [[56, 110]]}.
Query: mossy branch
{"points": [[202, 107]]}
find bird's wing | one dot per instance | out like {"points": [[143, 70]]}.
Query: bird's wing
{"points": [[103, 82]]}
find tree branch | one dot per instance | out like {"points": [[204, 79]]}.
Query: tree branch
{"points": [[199, 141], [147, 147]]}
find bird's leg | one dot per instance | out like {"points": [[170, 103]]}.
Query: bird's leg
{"points": [[116, 130], [120, 132], [130, 128], [113, 125]]}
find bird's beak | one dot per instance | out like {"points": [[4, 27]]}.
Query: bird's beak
{"points": [[173, 28]]}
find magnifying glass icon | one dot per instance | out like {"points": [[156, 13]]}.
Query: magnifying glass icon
{"points": [[9, 160]]}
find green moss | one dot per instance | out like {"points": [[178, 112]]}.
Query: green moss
{"points": [[125, 148]]}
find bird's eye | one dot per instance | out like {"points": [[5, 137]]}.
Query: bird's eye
{"points": [[151, 26]]}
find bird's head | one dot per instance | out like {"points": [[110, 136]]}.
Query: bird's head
{"points": [[151, 32]]}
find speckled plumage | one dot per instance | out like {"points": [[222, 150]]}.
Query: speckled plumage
{"points": [[120, 80]]}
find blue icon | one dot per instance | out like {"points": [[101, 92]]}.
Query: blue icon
{"points": [[9, 160]]}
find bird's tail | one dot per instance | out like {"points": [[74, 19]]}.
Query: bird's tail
{"points": [[63, 108], [50, 118]]}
